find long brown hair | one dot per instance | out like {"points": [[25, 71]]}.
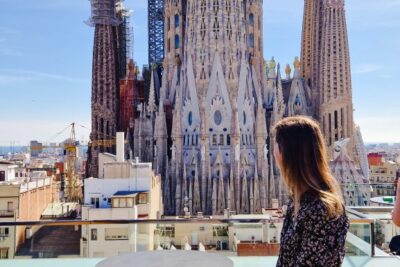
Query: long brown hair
{"points": [[305, 162]]}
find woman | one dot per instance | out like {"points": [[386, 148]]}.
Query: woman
{"points": [[315, 226]]}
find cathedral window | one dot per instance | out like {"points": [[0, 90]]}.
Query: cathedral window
{"points": [[229, 29], [203, 30], [176, 41], [218, 117], [228, 140], [216, 28], [251, 19], [203, 74], [168, 24], [190, 118], [244, 118], [203, 7], [214, 139], [221, 139], [216, 6], [251, 40], [193, 140], [176, 21]]}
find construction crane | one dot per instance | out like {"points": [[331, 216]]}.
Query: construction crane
{"points": [[73, 186], [72, 182]]}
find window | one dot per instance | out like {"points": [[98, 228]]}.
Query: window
{"points": [[251, 40], [251, 19], [2, 176], [219, 230], [167, 231], [142, 198], [129, 203], [122, 202], [93, 234], [176, 41], [176, 21], [95, 202], [4, 232], [115, 203], [10, 206], [3, 253], [116, 234], [221, 139], [214, 139]]}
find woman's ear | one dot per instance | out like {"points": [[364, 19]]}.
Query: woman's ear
{"points": [[277, 155]]}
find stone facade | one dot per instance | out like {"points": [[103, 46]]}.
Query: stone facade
{"points": [[209, 136], [222, 100]]}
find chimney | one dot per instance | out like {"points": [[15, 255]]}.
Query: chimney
{"points": [[120, 147]]}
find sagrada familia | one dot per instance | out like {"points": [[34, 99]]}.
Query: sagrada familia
{"points": [[207, 128]]}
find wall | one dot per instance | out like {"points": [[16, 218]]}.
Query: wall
{"points": [[102, 247], [33, 200], [8, 193], [9, 171]]}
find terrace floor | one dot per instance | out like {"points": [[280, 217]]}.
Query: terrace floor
{"points": [[352, 261]]}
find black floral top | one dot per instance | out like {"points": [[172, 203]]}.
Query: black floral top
{"points": [[314, 239]]}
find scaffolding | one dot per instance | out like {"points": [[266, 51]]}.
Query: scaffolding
{"points": [[124, 33], [103, 13], [156, 31]]}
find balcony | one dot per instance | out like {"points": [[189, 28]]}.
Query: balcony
{"points": [[6, 214], [85, 243]]}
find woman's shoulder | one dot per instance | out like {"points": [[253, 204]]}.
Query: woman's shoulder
{"points": [[314, 208]]}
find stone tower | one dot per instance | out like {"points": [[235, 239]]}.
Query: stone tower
{"points": [[326, 67], [104, 79], [311, 41]]}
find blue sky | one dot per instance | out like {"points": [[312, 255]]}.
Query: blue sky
{"points": [[46, 53]]}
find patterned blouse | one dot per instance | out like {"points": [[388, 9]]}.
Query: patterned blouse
{"points": [[312, 240]]}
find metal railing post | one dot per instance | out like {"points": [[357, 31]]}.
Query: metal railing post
{"points": [[372, 224]]}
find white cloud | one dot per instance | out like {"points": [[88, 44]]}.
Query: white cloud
{"points": [[367, 68], [380, 129]]}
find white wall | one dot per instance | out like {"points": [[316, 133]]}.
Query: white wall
{"points": [[106, 188], [9, 171]]}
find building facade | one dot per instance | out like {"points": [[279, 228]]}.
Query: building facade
{"points": [[208, 136], [9, 202], [125, 190]]}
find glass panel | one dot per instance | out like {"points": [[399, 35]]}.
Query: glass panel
{"points": [[256, 235]]}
